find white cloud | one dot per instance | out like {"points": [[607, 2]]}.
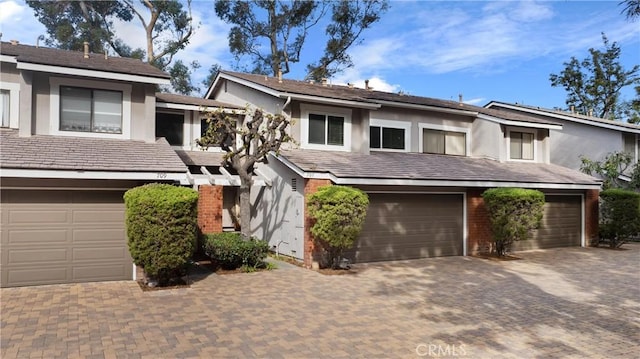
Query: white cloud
{"points": [[10, 10]]}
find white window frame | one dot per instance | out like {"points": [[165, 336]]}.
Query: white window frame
{"points": [[54, 106], [305, 110], [401, 125], [14, 102], [430, 126], [534, 132]]}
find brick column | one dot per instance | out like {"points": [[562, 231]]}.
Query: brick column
{"points": [[210, 209], [591, 214], [310, 250], [478, 225]]}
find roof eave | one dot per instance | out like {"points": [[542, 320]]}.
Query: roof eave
{"points": [[506, 122], [93, 73]]}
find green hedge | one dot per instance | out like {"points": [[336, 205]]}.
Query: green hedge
{"points": [[513, 213], [230, 251], [339, 213], [162, 227], [619, 216]]}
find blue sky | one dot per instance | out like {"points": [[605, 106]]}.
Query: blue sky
{"points": [[502, 50]]}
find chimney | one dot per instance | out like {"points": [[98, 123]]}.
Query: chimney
{"points": [[311, 81], [460, 98], [366, 85], [14, 42], [324, 81], [279, 76], [350, 85], [573, 109], [86, 50], [590, 112]]}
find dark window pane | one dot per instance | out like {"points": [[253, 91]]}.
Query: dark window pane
{"points": [[204, 125], [170, 126], [393, 138], [316, 129], [374, 137], [335, 131], [75, 109]]}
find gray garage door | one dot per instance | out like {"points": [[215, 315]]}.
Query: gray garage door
{"points": [[53, 237], [561, 225], [408, 226]]}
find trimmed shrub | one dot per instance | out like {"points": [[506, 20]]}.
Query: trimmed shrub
{"points": [[231, 251], [162, 227], [513, 212], [619, 216], [339, 213]]}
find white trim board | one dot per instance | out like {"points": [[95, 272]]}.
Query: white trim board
{"points": [[71, 174]]}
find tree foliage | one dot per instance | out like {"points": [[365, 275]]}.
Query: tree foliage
{"points": [[167, 27], [162, 227], [631, 9], [339, 213], [513, 213], [272, 33], [247, 141], [593, 85], [612, 168], [619, 216]]}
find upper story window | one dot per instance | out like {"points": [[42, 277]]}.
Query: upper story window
{"points": [[521, 145], [5, 106], [325, 128], [90, 110], [388, 135], [444, 142], [9, 104], [204, 126], [171, 127]]}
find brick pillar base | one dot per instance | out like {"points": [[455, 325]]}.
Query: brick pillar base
{"points": [[311, 251], [591, 214], [210, 209], [478, 224]]}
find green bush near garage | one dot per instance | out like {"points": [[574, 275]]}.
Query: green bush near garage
{"points": [[619, 216], [230, 251], [162, 228], [513, 213], [338, 213]]}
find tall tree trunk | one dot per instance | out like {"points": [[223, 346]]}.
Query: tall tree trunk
{"points": [[245, 210]]}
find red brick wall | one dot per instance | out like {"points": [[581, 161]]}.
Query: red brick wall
{"points": [[591, 214], [210, 209], [310, 250], [478, 226]]}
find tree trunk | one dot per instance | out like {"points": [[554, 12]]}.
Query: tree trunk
{"points": [[245, 210]]}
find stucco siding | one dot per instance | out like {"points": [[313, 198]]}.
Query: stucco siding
{"points": [[9, 72], [487, 140], [576, 139], [240, 95], [279, 210]]}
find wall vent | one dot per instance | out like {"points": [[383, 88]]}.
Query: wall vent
{"points": [[294, 184]]}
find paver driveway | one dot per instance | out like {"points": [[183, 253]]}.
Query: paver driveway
{"points": [[572, 302]]}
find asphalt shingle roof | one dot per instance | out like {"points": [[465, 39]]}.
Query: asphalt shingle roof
{"points": [[75, 59], [188, 100], [88, 154], [201, 158], [371, 96], [420, 166]]}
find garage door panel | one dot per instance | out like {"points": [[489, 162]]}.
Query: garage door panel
{"points": [[62, 236], [101, 235], [29, 236], [37, 217], [98, 273], [37, 256], [38, 276], [408, 226], [100, 254]]}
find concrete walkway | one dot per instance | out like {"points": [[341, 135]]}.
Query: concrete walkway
{"points": [[562, 303]]}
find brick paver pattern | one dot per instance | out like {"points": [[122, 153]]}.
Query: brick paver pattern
{"points": [[558, 303]]}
